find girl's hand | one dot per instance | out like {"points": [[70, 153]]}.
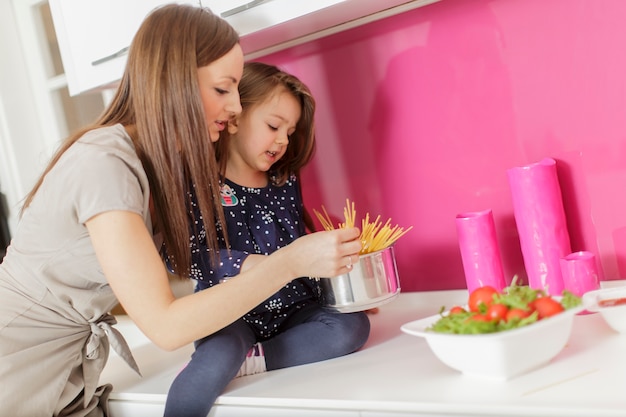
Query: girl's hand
{"points": [[324, 254]]}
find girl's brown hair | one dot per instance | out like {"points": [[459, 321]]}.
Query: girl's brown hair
{"points": [[258, 83], [159, 103]]}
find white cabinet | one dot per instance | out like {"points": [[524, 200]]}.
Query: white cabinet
{"points": [[93, 34]]}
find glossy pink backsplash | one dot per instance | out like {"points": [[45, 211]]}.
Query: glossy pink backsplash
{"points": [[420, 115]]}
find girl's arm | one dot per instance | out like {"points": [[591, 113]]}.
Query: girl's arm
{"points": [[229, 263], [137, 275]]}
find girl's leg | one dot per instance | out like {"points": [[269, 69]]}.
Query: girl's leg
{"points": [[213, 365], [314, 334]]}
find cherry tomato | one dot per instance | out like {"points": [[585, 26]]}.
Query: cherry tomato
{"points": [[497, 312], [516, 313], [546, 307], [481, 295], [457, 310]]}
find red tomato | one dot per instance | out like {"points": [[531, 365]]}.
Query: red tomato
{"points": [[481, 295], [546, 307], [516, 313], [457, 310], [497, 312]]}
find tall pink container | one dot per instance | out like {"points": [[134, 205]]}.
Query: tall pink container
{"points": [[479, 250], [541, 223]]}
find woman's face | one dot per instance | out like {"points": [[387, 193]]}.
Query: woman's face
{"points": [[218, 84]]}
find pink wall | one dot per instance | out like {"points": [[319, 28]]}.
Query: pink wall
{"points": [[421, 114]]}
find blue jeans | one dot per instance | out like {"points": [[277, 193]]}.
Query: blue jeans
{"points": [[310, 335]]}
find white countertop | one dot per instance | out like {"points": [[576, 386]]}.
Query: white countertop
{"points": [[395, 373]]}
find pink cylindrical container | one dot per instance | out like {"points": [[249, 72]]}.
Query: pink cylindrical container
{"points": [[479, 250], [580, 272], [541, 223]]}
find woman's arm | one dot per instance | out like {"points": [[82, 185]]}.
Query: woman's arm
{"points": [[137, 275]]}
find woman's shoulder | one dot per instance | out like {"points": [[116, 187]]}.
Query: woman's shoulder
{"points": [[108, 142], [105, 151], [108, 138]]}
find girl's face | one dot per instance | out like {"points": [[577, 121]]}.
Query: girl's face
{"points": [[218, 84], [262, 136]]}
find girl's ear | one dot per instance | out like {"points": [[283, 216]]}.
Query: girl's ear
{"points": [[233, 126]]}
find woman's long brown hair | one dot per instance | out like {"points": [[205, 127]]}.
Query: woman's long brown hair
{"points": [[159, 103]]}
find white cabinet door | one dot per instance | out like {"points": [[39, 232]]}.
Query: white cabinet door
{"points": [[93, 35]]}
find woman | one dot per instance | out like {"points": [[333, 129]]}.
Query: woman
{"points": [[111, 196]]}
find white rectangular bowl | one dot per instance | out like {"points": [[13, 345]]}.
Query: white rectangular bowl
{"points": [[502, 355]]}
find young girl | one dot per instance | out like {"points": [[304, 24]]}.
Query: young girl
{"points": [[85, 239], [261, 158]]}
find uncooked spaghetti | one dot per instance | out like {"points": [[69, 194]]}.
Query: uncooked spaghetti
{"points": [[375, 235]]}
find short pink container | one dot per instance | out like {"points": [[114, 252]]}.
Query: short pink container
{"points": [[580, 272]]}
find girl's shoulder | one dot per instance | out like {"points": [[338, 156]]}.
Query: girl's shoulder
{"points": [[232, 193]]}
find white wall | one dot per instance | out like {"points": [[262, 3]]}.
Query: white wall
{"points": [[23, 151]]}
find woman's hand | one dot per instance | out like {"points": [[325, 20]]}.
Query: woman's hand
{"points": [[324, 254]]}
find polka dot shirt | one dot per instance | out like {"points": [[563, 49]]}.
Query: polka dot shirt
{"points": [[259, 221]]}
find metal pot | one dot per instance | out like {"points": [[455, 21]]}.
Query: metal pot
{"points": [[373, 281]]}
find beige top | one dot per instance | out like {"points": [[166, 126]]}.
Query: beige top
{"points": [[54, 321]]}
